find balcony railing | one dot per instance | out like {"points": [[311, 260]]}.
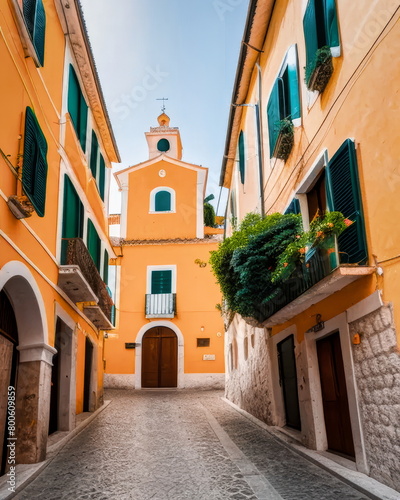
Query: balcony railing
{"points": [[81, 281], [320, 275], [160, 305]]}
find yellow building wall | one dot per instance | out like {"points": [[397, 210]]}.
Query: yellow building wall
{"points": [[196, 294], [360, 102], [34, 241], [144, 225]]}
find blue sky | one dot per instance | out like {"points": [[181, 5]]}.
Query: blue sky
{"points": [[185, 50]]}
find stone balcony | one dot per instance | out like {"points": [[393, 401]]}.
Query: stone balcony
{"points": [[79, 278]]}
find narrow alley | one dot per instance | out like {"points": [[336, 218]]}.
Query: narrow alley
{"points": [[179, 445]]}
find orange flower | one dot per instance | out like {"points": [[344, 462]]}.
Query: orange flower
{"points": [[348, 222], [319, 233], [297, 236], [302, 250], [285, 264], [330, 224]]}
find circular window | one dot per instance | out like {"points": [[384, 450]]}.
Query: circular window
{"points": [[163, 145]]}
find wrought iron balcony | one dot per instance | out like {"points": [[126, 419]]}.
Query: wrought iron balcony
{"points": [[321, 275], [79, 278], [160, 305]]}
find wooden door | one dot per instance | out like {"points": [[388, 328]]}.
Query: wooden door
{"points": [[288, 381], [159, 358], [87, 375], [334, 395]]}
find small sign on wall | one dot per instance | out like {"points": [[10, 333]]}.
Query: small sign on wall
{"points": [[208, 357]]}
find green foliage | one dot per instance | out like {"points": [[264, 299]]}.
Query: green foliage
{"points": [[209, 212], [255, 265], [229, 270], [323, 64], [322, 228], [285, 140]]}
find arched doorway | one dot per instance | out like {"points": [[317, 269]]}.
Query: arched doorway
{"points": [[33, 361], [9, 361], [159, 358]]}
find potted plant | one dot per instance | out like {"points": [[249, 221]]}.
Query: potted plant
{"points": [[319, 71], [285, 139]]}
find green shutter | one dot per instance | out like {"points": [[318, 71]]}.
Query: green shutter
{"points": [[331, 23], [293, 106], [162, 201], [310, 35], [294, 207], [105, 267], [94, 154], [102, 177], [39, 31], [72, 225], [29, 9], [34, 168], [344, 196], [161, 281], [77, 107], [35, 20], [93, 243], [241, 157], [275, 113]]}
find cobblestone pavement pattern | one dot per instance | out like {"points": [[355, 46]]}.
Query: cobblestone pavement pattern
{"points": [[179, 445]]}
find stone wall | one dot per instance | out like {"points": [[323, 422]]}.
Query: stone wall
{"points": [[248, 369], [377, 368]]}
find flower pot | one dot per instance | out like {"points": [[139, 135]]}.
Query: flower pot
{"points": [[321, 76]]}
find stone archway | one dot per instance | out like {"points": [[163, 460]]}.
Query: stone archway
{"points": [[34, 363], [138, 356]]}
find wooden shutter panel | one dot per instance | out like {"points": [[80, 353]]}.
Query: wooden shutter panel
{"points": [[331, 23], [72, 211], [294, 207], [72, 226], [275, 113], [29, 9], [294, 95], [73, 97], [310, 33], [39, 30], [241, 157], [105, 267], [344, 196], [161, 281], [93, 243], [34, 168], [83, 117], [162, 201], [94, 154], [77, 107], [102, 177]]}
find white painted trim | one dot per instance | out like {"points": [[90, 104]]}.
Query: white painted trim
{"points": [[153, 192], [36, 352], [138, 354], [279, 410], [60, 312], [150, 269], [365, 306], [313, 172], [13, 269], [48, 281], [338, 323], [124, 190], [201, 182]]}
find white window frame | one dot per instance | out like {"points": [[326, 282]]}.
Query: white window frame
{"points": [[150, 269], [152, 209]]}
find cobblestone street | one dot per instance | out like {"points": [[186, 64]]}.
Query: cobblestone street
{"points": [[177, 445]]}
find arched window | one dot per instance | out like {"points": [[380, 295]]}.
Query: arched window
{"points": [[162, 199]]}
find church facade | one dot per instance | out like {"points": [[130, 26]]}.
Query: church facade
{"points": [[169, 332]]}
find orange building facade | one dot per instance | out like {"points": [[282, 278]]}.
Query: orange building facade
{"points": [[310, 129], [56, 146], [168, 331]]}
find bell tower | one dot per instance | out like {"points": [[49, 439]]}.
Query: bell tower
{"points": [[164, 139]]}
